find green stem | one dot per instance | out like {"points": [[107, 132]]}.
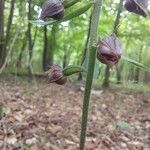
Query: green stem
{"points": [[89, 79]]}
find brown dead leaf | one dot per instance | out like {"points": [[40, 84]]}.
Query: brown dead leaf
{"points": [[90, 146], [31, 141], [55, 129], [11, 140]]}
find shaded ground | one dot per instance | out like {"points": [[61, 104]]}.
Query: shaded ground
{"points": [[47, 117]]}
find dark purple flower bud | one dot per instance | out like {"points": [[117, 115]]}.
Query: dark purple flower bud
{"points": [[62, 80], [52, 9], [109, 50], [56, 75], [137, 6]]}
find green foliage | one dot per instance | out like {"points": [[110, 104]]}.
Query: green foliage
{"points": [[72, 69], [69, 3], [136, 63], [71, 36]]}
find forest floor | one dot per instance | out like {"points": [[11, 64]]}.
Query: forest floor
{"points": [[38, 116]]}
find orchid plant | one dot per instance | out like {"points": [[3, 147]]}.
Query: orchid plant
{"points": [[107, 51]]}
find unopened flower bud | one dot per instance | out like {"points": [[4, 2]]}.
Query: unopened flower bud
{"points": [[52, 9], [137, 6], [56, 75], [62, 80], [109, 50]]}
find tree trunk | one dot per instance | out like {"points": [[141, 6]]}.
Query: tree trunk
{"points": [[117, 21], [85, 48], [118, 71], [49, 47], [107, 69], [52, 45], [18, 63], [16, 35], [45, 49], [106, 79], [1, 29], [118, 74], [30, 39], [65, 57], [9, 24], [146, 77], [137, 71]]}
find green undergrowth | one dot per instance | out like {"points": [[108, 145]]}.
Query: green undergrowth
{"points": [[133, 87], [123, 87]]}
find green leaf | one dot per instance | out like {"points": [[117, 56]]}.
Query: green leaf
{"points": [[71, 69], [69, 3], [136, 63], [76, 12]]}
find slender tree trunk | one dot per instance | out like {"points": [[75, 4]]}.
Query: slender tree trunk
{"points": [[118, 71], [18, 63], [137, 72], [45, 49], [9, 24], [106, 79], [146, 77], [117, 21], [10, 49], [1, 29], [52, 45], [65, 57], [107, 69], [85, 47], [30, 39], [49, 47], [118, 74], [22, 14], [87, 41], [22, 49]]}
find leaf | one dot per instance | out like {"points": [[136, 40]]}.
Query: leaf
{"points": [[71, 69], [76, 12], [136, 63], [69, 3]]}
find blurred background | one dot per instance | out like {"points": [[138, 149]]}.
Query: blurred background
{"points": [[29, 49]]}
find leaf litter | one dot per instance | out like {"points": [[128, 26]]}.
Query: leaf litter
{"points": [[48, 118]]}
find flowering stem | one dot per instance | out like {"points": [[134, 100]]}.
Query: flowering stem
{"points": [[89, 79]]}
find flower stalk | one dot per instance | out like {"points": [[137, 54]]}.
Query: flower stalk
{"points": [[91, 64]]}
